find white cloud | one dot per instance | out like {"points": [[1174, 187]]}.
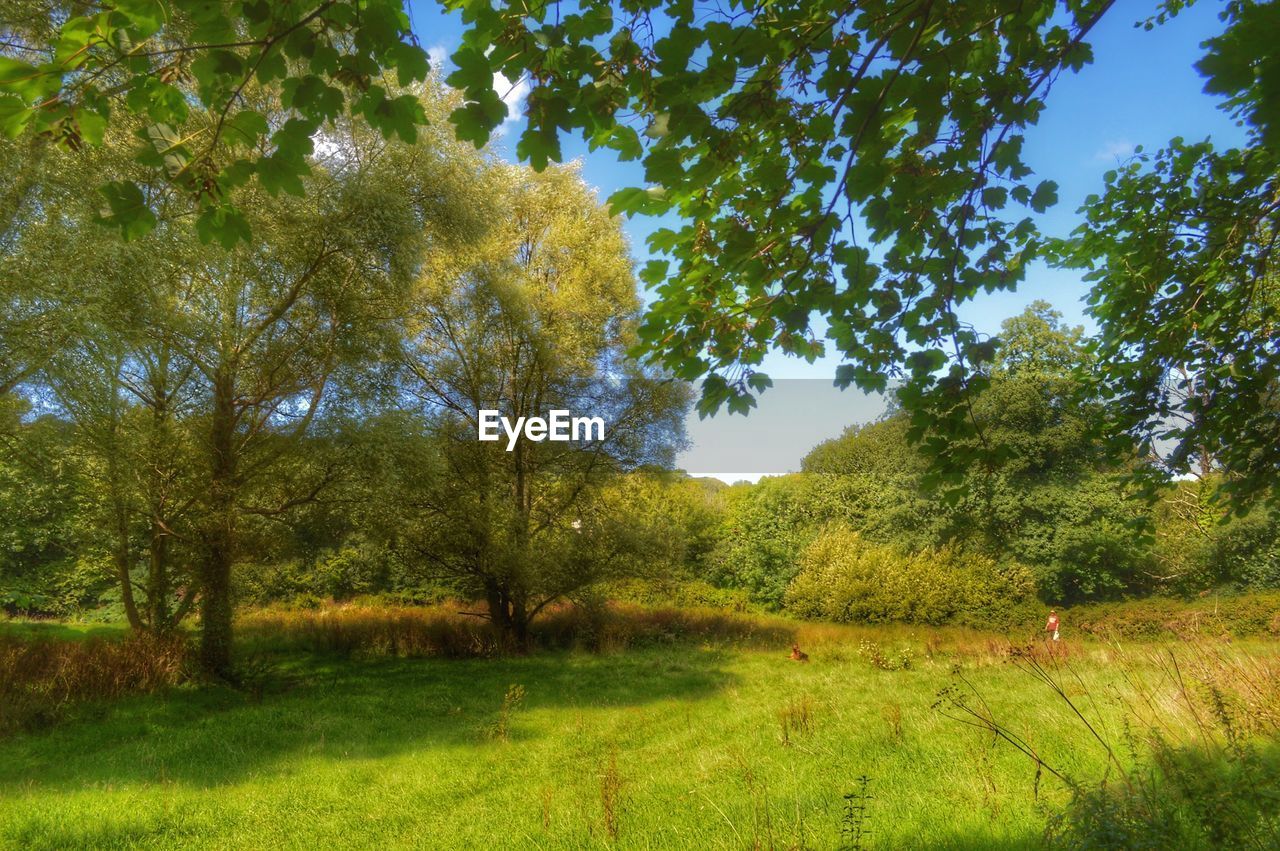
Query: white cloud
{"points": [[512, 95], [1116, 149], [438, 55]]}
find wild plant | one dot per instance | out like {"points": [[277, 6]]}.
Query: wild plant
{"points": [[511, 702], [796, 718], [853, 829], [901, 660], [892, 714], [611, 794], [1195, 764]]}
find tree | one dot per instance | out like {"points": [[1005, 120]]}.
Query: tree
{"points": [[39, 301], [234, 351], [1179, 247], [534, 318], [1046, 494], [862, 163], [267, 327], [68, 71]]}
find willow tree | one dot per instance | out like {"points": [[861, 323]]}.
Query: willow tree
{"points": [[267, 326], [534, 318], [228, 351]]}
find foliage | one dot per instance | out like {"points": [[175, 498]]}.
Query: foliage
{"points": [[845, 578], [766, 526], [799, 141], [180, 70], [49, 561], [1193, 765], [200, 368], [442, 631], [1179, 248], [1046, 495], [879, 147], [1160, 617], [535, 317]]}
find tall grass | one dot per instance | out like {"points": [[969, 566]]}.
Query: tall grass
{"points": [[1194, 764], [39, 679], [446, 631]]}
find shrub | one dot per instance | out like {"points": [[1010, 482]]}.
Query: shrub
{"points": [[846, 578], [689, 593]]}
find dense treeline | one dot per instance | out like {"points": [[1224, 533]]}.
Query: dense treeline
{"points": [[190, 423], [181, 417], [859, 535]]}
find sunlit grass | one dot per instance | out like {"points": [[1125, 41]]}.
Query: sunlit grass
{"points": [[711, 741]]}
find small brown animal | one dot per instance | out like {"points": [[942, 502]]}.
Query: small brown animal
{"points": [[798, 655]]}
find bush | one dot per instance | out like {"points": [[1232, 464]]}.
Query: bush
{"points": [[689, 593], [845, 578]]}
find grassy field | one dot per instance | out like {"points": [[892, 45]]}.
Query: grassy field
{"points": [[682, 746]]}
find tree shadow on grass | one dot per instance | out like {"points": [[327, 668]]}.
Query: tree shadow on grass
{"points": [[335, 709]]}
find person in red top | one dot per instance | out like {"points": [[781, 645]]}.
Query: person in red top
{"points": [[1051, 625]]}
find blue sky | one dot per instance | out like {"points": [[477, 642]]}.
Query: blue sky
{"points": [[1141, 89]]}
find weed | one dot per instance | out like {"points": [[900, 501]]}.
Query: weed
{"points": [[40, 679], [892, 714], [1196, 762], [511, 702], [884, 661], [611, 794], [853, 828], [796, 718], [548, 793]]}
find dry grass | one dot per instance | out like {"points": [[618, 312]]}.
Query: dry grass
{"points": [[444, 631], [39, 679]]}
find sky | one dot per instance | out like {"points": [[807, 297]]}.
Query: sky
{"points": [[1141, 89]]}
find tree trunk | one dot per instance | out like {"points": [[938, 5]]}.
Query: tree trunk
{"points": [[158, 610], [121, 555], [219, 535], [159, 586], [126, 586]]}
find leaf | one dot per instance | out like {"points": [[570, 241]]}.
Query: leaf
{"points": [[92, 125], [277, 173], [1045, 196], [126, 208], [14, 116], [245, 128], [27, 81], [410, 62], [145, 16], [223, 224]]}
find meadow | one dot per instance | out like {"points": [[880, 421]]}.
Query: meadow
{"points": [[672, 730]]}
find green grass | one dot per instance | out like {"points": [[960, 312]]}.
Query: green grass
{"points": [[60, 630], [403, 753]]}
